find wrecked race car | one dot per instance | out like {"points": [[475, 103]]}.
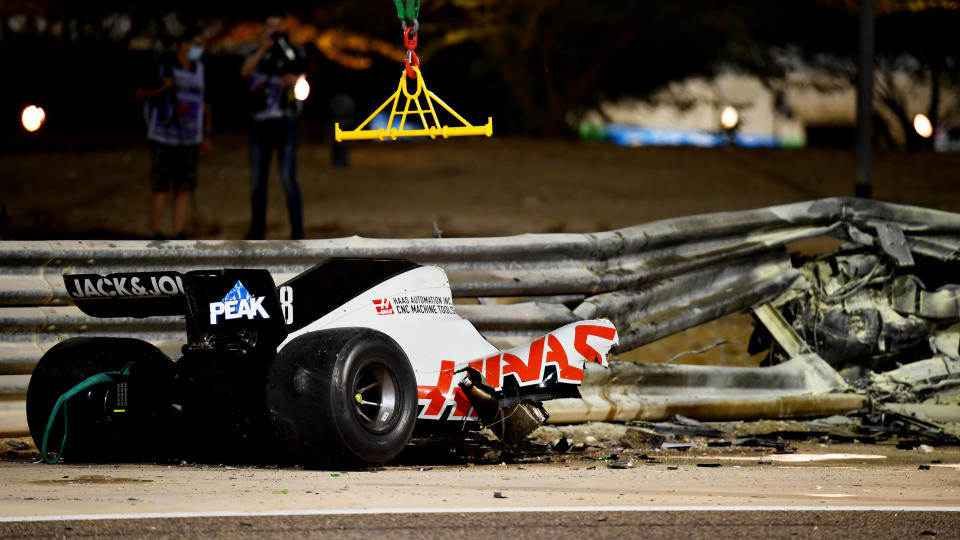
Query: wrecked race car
{"points": [[341, 364]]}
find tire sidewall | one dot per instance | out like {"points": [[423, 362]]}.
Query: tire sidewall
{"points": [[363, 350], [310, 398]]}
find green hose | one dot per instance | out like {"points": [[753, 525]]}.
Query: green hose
{"points": [[93, 380]]}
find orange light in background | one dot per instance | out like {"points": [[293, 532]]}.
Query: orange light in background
{"points": [[32, 118], [352, 51], [923, 126], [729, 118], [301, 90], [349, 49]]}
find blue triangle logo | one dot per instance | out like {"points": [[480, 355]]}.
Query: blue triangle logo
{"points": [[238, 292]]}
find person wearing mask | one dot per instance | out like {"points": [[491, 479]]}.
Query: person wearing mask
{"points": [[178, 129], [273, 71]]}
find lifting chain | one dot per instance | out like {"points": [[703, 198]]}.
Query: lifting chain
{"points": [[407, 12]]}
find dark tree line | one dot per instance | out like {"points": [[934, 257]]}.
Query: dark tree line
{"points": [[541, 64]]}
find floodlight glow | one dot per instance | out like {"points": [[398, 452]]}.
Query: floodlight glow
{"points": [[923, 126], [729, 118], [302, 89], [32, 118]]}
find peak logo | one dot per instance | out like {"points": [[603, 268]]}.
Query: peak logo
{"points": [[384, 306], [238, 303]]}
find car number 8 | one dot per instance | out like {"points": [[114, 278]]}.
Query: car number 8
{"points": [[286, 303]]}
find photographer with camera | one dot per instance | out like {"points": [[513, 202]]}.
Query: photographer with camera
{"points": [[273, 71]]}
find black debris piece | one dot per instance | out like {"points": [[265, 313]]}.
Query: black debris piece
{"points": [[670, 428], [763, 442], [560, 445], [911, 430]]}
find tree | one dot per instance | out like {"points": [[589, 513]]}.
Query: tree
{"points": [[560, 58], [915, 47]]}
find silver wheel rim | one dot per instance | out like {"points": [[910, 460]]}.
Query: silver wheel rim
{"points": [[375, 397]]}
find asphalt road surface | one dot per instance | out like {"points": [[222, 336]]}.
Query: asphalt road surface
{"points": [[593, 524]]}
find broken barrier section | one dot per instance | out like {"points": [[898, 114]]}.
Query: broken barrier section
{"points": [[804, 386]]}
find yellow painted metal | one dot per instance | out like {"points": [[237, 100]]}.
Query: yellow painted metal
{"points": [[433, 131]]}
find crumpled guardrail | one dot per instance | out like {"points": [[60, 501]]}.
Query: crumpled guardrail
{"points": [[652, 280], [802, 386]]}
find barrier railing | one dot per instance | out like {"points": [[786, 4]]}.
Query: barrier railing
{"points": [[652, 280]]}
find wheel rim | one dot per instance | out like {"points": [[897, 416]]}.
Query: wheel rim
{"points": [[375, 397]]}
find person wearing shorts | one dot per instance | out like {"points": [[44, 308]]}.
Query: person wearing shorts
{"points": [[178, 129], [173, 167]]}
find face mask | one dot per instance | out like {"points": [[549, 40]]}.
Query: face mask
{"points": [[195, 53]]}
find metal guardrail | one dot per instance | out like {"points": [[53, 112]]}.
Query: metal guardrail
{"points": [[652, 280], [802, 386]]}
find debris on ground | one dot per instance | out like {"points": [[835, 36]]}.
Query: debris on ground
{"points": [[683, 426], [638, 437], [18, 449]]}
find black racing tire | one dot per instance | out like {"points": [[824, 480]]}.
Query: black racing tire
{"points": [[312, 399], [134, 437]]}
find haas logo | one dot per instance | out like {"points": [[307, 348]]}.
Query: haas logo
{"points": [[384, 306]]}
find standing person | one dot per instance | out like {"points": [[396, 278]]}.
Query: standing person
{"points": [[273, 71], [178, 127]]}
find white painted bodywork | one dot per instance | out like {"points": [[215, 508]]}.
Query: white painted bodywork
{"points": [[426, 338], [416, 309]]}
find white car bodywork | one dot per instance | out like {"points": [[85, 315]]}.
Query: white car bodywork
{"points": [[416, 309]]}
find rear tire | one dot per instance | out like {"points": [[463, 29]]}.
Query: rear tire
{"points": [[346, 397], [96, 434]]}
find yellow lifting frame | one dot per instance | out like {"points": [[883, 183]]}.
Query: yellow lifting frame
{"points": [[432, 131]]}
